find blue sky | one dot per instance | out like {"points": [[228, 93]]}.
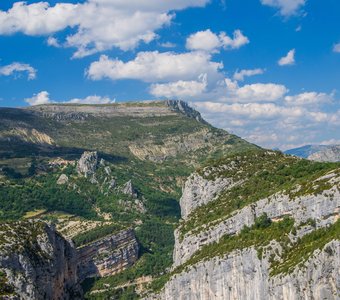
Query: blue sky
{"points": [[267, 70]]}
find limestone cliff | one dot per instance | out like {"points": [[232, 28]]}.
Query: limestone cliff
{"points": [[243, 276], [38, 262], [229, 256], [108, 256]]}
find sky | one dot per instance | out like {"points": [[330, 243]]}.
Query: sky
{"points": [[266, 70]]}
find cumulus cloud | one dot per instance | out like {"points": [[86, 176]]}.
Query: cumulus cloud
{"points": [[211, 42], [156, 67], [180, 89], [257, 92], [240, 75], [289, 59], [97, 25], [40, 98], [251, 110], [336, 48], [44, 98], [272, 124], [15, 68], [309, 98], [286, 7]]}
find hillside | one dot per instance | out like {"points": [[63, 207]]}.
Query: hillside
{"points": [[154, 202], [95, 170], [257, 225], [325, 153]]}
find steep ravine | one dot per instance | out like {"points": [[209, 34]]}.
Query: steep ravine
{"points": [[36, 262]]}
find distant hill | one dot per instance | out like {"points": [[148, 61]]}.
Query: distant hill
{"points": [[324, 153]]}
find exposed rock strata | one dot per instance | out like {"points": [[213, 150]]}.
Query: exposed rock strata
{"points": [[324, 208], [108, 255]]}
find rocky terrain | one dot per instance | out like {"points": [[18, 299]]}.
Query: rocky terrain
{"points": [[324, 153], [108, 256], [281, 246], [37, 262], [113, 182]]}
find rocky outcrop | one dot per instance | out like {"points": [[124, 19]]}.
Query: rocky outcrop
{"points": [[243, 276], [38, 262], [63, 179], [108, 255], [27, 135], [198, 191], [184, 108], [88, 163], [128, 189], [324, 208]]}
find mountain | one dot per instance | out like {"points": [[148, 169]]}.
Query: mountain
{"points": [[106, 175], [325, 153], [150, 201]]}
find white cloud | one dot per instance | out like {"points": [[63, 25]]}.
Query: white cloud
{"points": [[168, 45], [97, 25], [257, 92], [44, 98], [289, 59], [180, 89], [272, 124], [250, 110], [156, 67], [52, 41], [16, 67], [38, 99], [336, 48], [92, 100], [211, 42], [240, 75], [286, 7], [309, 98]]}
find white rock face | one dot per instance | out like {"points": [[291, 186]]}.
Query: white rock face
{"points": [[88, 163], [198, 191], [242, 276], [38, 262], [324, 209]]}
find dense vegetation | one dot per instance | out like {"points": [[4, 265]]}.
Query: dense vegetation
{"points": [[272, 171], [95, 234]]}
